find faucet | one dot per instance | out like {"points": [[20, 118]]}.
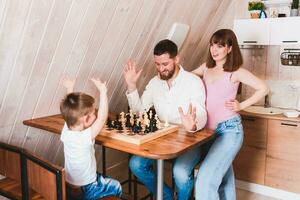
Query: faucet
{"points": [[267, 101]]}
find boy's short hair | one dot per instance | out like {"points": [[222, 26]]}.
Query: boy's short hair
{"points": [[76, 105], [166, 46]]}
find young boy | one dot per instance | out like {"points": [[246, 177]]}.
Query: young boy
{"points": [[78, 136]]}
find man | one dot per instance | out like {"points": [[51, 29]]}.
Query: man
{"points": [[172, 92]]}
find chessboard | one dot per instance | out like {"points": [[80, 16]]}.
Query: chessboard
{"points": [[137, 128], [134, 138]]}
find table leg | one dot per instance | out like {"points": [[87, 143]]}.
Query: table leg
{"points": [[160, 179]]}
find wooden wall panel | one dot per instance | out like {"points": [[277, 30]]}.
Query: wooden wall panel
{"points": [[43, 40]]}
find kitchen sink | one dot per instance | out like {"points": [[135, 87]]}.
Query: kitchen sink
{"points": [[263, 110]]}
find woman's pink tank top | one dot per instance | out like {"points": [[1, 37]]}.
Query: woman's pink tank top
{"points": [[217, 93]]}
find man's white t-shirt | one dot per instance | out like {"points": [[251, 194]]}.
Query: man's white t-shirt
{"points": [[79, 152]]}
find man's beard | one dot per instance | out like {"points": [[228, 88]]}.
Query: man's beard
{"points": [[168, 75]]}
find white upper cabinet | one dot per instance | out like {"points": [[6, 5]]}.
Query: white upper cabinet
{"points": [[252, 31], [285, 31], [271, 31]]}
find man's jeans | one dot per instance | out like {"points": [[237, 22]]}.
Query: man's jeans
{"points": [[182, 172], [102, 187], [215, 179]]}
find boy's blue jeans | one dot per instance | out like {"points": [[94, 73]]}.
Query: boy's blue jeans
{"points": [[183, 168], [215, 179], [102, 187]]}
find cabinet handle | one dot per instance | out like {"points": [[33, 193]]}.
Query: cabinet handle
{"points": [[286, 124], [289, 41], [248, 119], [250, 42]]}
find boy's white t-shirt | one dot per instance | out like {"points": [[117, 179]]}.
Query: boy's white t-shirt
{"points": [[79, 152]]}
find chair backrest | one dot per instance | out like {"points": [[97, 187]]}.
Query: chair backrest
{"points": [[45, 178], [11, 158], [10, 165]]}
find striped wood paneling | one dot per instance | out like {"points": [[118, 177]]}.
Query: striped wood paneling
{"points": [[41, 40]]}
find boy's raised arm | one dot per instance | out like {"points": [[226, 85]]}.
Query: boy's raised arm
{"points": [[69, 83], [103, 107]]}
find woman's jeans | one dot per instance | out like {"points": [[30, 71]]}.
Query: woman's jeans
{"points": [[102, 187], [183, 174], [215, 179]]}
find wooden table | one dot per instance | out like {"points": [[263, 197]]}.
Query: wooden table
{"points": [[166, 147]]}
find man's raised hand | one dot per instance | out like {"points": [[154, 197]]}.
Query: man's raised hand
{"points": [[131, 75], [188, 120]]}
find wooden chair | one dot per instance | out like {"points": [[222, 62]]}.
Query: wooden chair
{"points": [[10, 169], [45, 180]]}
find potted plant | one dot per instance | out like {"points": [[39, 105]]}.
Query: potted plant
{"points": [[255, 8], [294, 8]]}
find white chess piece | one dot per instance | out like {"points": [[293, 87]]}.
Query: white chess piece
{"points": [[122, 119], [150, 114], [131, 117], [158, 123], [166, 124]]}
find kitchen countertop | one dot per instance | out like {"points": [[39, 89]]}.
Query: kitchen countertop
{"points": [[276, 117]]}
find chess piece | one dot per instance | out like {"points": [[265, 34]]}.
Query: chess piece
{"points": [[109, 123], [146, 120], [141, 117], [166, 124], [131, 119], [158, 123], [147, 129], [127, 123], [123, 120], [152, 125], [150, 114]]}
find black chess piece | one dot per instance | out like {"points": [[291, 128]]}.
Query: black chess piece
{"points": [[117, 123], [152, 125], [147, 129], [109, 123], [127, 123], [140, 126], [135, 127]]}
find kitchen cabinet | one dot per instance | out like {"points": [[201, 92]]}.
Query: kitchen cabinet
{"points": [[270, 31], [285, 31], [250, 162], [283, 155], [252, 31]]}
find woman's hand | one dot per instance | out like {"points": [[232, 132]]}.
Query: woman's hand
{"points": [[233, 105]]}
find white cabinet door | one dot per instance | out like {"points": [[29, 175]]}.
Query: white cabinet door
{"points": [[252, 31], [285, 31]]}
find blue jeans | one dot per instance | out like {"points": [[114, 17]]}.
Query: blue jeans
{"points": [[183, 168], [215, 179], [102, 187]]}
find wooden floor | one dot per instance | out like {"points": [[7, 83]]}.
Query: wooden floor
{"points": [[120, 175]]}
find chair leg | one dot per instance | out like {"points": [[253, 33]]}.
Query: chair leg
{"points": [[134, 187]]}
